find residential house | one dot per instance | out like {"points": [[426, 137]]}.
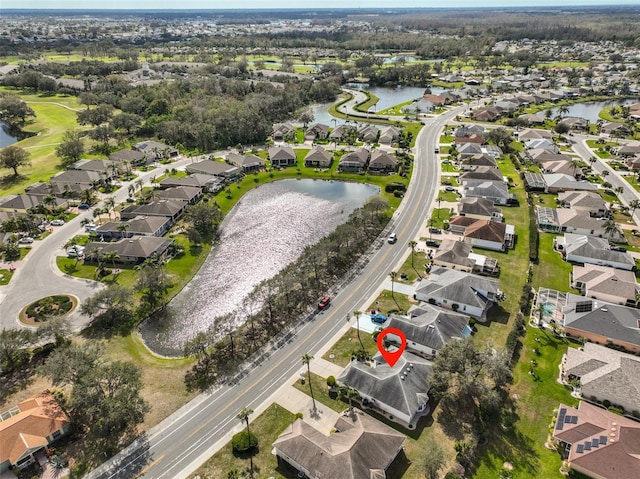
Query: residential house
{"points": [[615, 129], [565, 220], [604, 374], [617, 286], [189, 194], [584, 201], [167, 208], [557, 182], [542, 144], [532, 119], [369, 133], [247, 163], [382, 162], [482, 233], [458, 255], [390, 135], [401, 392], [462, 292], [479, 208], [474, 161], [437, 100], [467, 150], [282, 156], [318, 157], [86, 179], [28, 203], [155, 150], [592, 250], [317, 131], [575, 123], [138, 226], [540, 155], [506, 106], [107, 169], [280, 130], [490, 113], [531, 134], [496, 192], [467, 131], [131, 157], [633, 162], [417, 107], [560, 167], [214, 168], [132, 250], [482, 173], [354, 161], [428, 328], [59, 190], [359, 447], [196, 180], [630, 149], [341, 131], [600, 443], [28, 428]]}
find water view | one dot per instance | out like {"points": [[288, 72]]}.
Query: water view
{"points": [[590, 110], [6, 138], [267, 230]]}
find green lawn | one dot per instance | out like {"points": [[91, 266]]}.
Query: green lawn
{"points": [[448, 195], [415, 272], [439, 217], [341, 351], [5, 276], [545, 199], [320, 392], [523, 444], [552, 272], [53, 118], [267, 427]]}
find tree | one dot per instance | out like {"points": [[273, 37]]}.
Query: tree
{"points": [[563, 110], [13, 157], [561, 128], [153, 283], [95, 116], [306, 359], [393, 275], [575, 166], [305, 118], [412, 245], [434, 459], [205, 218], [111, 306], [13, 347], [350, 394], [14, 111], [68, 365], [501, 138], [357, 315], [72, 147], [464, 373], [610, 227], [634, 205]]}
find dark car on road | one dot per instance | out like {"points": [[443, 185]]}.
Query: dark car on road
{"points": [[83, 206]]}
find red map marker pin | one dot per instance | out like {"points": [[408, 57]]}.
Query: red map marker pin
{"points": [[391, 357]]}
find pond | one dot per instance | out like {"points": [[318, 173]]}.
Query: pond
{"points": [[388, 97], [590, 110], [266, 231], [6, 137]]}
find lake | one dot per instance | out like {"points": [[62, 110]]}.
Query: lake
{"points": [[6, 138], [590, 110], [266, 231]]}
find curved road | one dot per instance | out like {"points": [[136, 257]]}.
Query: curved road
{"points": [[183, 441]]}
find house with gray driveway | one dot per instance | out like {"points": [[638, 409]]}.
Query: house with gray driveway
{"points": [[612, 285], [592, 250], [132, 250], [214, 168], [138, 226], [247, 163], [382, 163], [282, 156], [167, 208], [479, 208], [318, 157], [459, 291], [188, 194], [401, 392]]}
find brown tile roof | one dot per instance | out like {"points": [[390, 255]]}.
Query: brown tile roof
{"points": [[38, 418]]}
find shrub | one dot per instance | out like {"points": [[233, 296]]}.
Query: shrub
{"points": [[606, 403], [331, 381], [395, 186], [244, 441], [534, 236], [299, 415]]}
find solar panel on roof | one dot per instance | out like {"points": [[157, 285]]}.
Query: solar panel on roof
{"points": [[563, 411], [579, 449], [595, 443], [567, 419], [603, 439], [587, 446], [574, 419], [559, 425]]}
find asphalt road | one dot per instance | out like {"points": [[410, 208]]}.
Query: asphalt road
{"points": [[183, 441]]}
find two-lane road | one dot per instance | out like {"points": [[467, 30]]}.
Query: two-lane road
{"points": [[176, 447]]}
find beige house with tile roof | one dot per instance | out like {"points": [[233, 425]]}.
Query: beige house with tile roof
{"points": [[612, 285]]}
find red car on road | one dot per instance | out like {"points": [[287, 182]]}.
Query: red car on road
{"points": [[324, 302]]}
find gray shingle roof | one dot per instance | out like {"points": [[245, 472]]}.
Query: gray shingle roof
{"points": [[608, 320], [361, 447], [454, 252], [477, 206], [457, 286], [140, 247]]}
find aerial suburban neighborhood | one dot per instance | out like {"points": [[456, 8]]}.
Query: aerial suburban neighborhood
{"points": [[218, 227]]}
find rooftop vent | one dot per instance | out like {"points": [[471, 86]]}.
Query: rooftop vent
{"points": [[402, 377]]}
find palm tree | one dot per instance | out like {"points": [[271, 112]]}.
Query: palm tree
{"points": [[111, 256], [109, 203], [393, 276], [605, 173], [357, 315], [49, 201], [563, 110], [122, 228], [412, 244], [609, 227], [634, 205], [243, 415], [575, 166], [306, 359], [350, 394]]}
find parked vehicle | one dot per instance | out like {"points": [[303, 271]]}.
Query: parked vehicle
{"points": [[26, 240], [75, 251], [433, 243], [57, 222], [378, 318], [435, 231], [621, 249], [392, 238], [90, 226], [83, 206], [324, 302], [131, 199], [449, 188]]}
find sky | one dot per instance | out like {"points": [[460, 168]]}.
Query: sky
{"points": [[298, 4]]}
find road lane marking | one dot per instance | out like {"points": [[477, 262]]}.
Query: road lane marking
{"points": [[148, 467]]}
